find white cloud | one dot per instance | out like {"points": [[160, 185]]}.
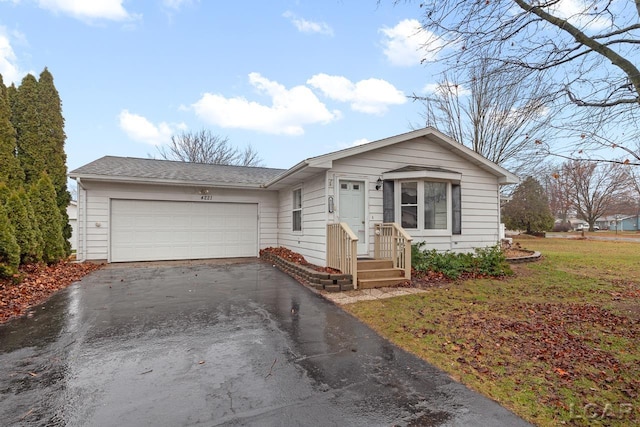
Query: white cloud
{"points": [[360, 141], [141, 129], [8, 60], [407, 43], [305, 26], [439, 88], [372, 96], [581, 14], [355, 143], [176, 4], [84, 10], [289, 111]]}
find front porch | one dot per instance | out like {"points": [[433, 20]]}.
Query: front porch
{"points": [[391, 263]]}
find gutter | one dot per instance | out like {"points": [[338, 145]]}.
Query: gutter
{"points": [[133, 180]]}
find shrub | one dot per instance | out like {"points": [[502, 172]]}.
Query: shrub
{"points": [[489, 261], [562, 226]]}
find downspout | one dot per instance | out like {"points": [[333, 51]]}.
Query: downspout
{"points": [[84, 219], [499, 215]]}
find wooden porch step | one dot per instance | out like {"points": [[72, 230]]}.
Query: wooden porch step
{"points": [[378, 273], [381, 273], [374, 264], [379, 283]]}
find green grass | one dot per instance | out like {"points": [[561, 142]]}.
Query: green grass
{"points": [[558, 343]]}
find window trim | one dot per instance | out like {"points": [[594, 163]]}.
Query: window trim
{"points": [[295, 209], [421, 231]]}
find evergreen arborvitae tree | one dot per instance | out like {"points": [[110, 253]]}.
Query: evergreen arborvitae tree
{"points": [[53, 138], [31, 152], [38, 247], [22, 228], [528, 208], [39, 124], [12, 96], [10, 171], [43, 198], [5, 193], [9, 249]]}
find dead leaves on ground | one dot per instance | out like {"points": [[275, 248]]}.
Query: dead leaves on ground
{"points": [[39, 283], [294, 257], [563, 345]]}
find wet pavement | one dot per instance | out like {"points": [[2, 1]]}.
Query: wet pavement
{"points": [[206, 344]]}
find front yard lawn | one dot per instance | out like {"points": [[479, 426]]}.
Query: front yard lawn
{"points": [[558, 343]]}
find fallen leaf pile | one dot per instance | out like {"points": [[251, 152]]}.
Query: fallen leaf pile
{"points": [[296, 258], [568, 338], [428, 279], [40, 281]]}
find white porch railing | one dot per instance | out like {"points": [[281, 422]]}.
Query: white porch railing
{"points": [[342, 250], [392, 242]]}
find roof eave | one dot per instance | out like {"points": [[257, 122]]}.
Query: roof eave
{"points": [[158, 181], [291, 171], [508, 179]]}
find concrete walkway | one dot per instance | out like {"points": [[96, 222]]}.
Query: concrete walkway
{"points": [[350, 297]]}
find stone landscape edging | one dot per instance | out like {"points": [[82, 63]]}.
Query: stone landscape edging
{"points": [[535, 256], [320, 280]]}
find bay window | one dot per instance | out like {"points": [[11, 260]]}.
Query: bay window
{"points": [[425, 205]]}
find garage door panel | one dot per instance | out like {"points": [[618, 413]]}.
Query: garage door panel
{"points": [[144, 230]]}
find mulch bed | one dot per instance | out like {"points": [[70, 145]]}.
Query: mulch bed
{"points": [[296, 258], [39, 282]]}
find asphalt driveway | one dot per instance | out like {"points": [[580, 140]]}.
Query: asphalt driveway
{"points": [[211, 344]]}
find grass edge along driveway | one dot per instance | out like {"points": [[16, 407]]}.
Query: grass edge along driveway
{"points": [[558, 343]]}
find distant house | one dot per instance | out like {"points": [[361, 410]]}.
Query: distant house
{"points": [[422, 184], [624, 222]]}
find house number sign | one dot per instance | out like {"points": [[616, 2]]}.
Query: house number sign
{"points": [[206, 197]]}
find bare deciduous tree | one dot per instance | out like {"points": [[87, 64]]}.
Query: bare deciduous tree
{"points": [[496, 111], [588, 48], [560, 198], [206, 147], [594, 187]]}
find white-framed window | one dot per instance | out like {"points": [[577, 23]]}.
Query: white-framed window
{"points": [[425, 205], [296, 213]]}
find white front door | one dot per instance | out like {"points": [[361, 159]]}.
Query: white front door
{"points": [[351, 210]]}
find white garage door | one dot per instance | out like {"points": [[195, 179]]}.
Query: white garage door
{"points": [[147, 230]]}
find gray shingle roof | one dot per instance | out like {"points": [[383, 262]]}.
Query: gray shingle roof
{"points": [[166, 170]]}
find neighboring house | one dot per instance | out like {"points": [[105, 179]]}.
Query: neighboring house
{"points": [[625, 223], [606, 222], [438, 190], [72, 212]]}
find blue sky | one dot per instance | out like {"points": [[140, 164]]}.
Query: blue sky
{"points": [[294, 79]]}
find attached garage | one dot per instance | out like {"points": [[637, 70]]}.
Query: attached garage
{"points": [[150, 230]]}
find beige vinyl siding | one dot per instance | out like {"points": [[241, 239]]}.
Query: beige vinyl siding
{"points": [[311, 241], [98, 195], [92, 236], [480, 202]]}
